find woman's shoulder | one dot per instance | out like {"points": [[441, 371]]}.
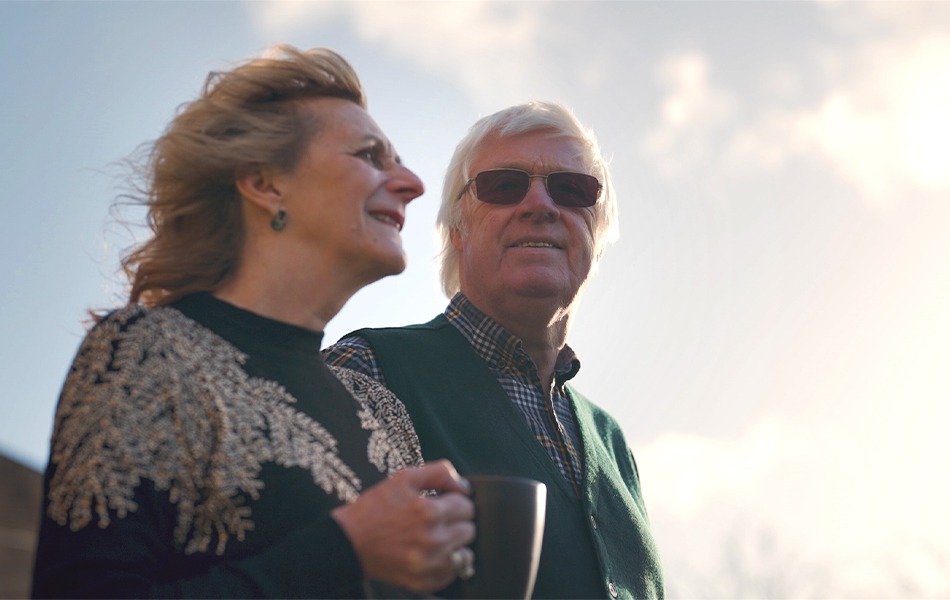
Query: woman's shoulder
{"points": [[130, 324], [397, 444], [136, 320], [136, 360], [134, 338], [144, 380]]}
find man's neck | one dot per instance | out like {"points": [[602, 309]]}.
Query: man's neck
{"points": [[542, 328]]}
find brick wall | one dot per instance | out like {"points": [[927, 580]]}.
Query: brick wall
{"points": [[20, 491]]}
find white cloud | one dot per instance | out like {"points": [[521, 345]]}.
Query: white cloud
{"points": [[881, 124], [275, 18], [697, 471], [788, 495], [690, 115], [888, 128], [924, 118], [488, 48]]}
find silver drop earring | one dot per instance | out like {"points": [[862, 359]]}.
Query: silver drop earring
{"points": [[279, 221]]}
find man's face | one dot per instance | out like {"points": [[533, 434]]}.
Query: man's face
{"points": [[535, 249]]}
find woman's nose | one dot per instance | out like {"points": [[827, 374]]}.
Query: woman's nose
{"points": [[406, 184]]}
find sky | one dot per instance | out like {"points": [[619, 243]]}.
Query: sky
{"points": [[772, 328]]}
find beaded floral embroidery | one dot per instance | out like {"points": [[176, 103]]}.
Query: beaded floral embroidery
{"points": [[153, 395]]}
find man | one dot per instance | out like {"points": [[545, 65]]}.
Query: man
{"points": [[526, 213]]}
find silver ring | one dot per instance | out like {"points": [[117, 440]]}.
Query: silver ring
{"points": [[463, 563]]}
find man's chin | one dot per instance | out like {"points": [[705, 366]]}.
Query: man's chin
{"points": [[540, 289]]}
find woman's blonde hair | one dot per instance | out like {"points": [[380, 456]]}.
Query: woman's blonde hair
{"points": [[245, 117], [556, 119]]}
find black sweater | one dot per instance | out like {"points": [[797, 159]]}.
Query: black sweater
{"points": [[197, 451]]}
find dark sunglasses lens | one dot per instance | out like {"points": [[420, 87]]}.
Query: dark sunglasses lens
{"points": [[573, 189], [501, 186]]}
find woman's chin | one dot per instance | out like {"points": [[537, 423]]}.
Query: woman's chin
{"points": [[388, 264]]}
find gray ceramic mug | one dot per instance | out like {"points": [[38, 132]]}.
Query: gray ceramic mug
{"points": [[509, 526]]}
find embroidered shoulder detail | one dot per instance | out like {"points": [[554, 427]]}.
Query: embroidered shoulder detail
{"points": [[153, 395], [394, 444]]}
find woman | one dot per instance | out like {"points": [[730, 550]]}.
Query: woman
{"points": [[201, 447]]}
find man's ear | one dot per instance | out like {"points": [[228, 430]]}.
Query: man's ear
{"points": [[262, 186]]}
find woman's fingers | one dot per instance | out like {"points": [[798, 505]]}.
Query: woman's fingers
{"points": [[463, 562], [453, 507], [408, 538], [439, 476]]}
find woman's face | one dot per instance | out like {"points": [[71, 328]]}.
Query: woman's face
{"points": [[346, 197]]}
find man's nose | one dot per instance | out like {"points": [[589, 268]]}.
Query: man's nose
{"points": [[537, 201]]}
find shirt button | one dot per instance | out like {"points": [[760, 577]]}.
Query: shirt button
{"points": [[612, 589], [593, 521]]}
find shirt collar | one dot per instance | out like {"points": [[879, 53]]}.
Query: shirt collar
{"points": [[497, 346]]}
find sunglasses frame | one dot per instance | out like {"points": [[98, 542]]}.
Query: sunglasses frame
{"points": [[468, 185]]}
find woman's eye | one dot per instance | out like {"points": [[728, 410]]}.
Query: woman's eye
{"points": [[372, 156]]}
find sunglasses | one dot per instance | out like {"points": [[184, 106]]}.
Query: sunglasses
{"points": [[510, 186]]}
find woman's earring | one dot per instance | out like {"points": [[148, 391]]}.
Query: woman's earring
{"points": [[279, 221]]}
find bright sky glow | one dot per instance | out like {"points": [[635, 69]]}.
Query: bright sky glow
{"points": [[772, 329]]}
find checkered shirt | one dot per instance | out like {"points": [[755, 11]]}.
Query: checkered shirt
{"points": [[550, 418]]}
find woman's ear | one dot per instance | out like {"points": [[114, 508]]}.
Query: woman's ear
{"points": [[260, 186]]}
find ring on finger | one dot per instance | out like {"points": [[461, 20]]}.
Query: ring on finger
{"points": [[463, 563]]}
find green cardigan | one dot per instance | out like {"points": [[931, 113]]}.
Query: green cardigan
{"points": [[595, 546]]}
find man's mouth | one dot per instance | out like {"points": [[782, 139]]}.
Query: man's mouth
{"points": [[533, 245]]}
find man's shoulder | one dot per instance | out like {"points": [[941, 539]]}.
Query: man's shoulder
{"points": [[435, 324], [378, 339], [360, 350], [585, 408]]}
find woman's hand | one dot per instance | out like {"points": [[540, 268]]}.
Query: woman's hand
{"points": [[405, 538]]}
